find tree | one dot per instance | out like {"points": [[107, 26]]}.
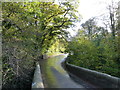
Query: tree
{"points": [[44, 20], [29, 30], [92, 30], [90, 27], [112, 17]]}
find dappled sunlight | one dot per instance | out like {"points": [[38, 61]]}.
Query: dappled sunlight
{"points": [[85, 33]]}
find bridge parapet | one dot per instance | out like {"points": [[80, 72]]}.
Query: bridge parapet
{"points": [[101, 80], [37, 79]]}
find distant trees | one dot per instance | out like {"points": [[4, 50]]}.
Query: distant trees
{"points": [[92, 30], [89, 26], [96, 48]]}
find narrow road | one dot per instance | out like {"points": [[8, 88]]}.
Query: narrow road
{"points": [[55, 76]]}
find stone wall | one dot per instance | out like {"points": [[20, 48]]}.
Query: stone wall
{"points": [[98, 79]]}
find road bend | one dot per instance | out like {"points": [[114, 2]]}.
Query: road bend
{"points": [[55, 76]]}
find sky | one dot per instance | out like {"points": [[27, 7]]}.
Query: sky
{"points": [[91, 8]]}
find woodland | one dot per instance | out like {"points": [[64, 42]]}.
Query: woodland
{"points": [[31, 30]]}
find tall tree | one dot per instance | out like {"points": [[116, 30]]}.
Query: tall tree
{"points": [[29, 29], [112, 14], [43, 20]]}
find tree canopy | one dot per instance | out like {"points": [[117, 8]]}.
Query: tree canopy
{"points": [[31, 29]]}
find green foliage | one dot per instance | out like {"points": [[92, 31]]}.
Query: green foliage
{"points": [[30, 29], [57, 48], [100, 53], [84, 51]]}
